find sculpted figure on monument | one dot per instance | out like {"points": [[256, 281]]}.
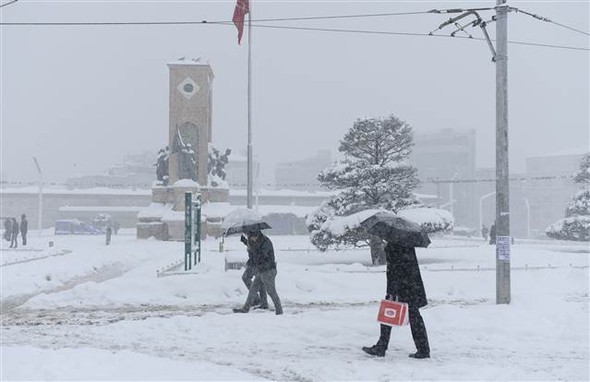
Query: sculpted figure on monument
{"points": [[187, 164], [217, 162], [162, 165]]}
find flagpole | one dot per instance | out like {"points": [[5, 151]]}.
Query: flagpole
{"points": [[250, 155]]}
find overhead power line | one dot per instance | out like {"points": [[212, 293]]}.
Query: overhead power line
{"points": [[541, 18], [255, 23], [221, 22], [8, 3], [359, 31], [333, 30]]}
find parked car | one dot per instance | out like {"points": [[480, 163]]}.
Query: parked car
{"points": [[74, 227]]}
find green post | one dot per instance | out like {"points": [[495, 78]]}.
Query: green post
{"points": [[188, 229], [197, 235]]}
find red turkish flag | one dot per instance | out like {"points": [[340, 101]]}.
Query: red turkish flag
{"points": [[240, 12]]}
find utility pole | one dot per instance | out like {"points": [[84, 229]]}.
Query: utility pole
{"points": [[502, 190]]}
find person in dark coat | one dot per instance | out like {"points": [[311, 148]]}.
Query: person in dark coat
{"points": [[109, 232], [261, 300], [262, 255], [15, 231], [493, 234], [484, 232], [24, 228], [8, 229], [404, 284]]}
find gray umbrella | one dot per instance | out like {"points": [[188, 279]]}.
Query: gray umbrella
{"points": [[246, 227], [242, 220], [396, 230]]}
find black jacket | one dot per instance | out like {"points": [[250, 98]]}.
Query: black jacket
{"points": [[403, 276], [24, 225], [15, 227], [261, 254]]}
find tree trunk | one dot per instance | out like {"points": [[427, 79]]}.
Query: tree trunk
{"points": [[377, 250]]}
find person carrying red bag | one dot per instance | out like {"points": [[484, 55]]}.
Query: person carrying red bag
{"points": [[404, 283]]}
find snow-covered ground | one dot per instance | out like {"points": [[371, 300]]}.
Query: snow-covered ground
{"points": [[82, 310]]}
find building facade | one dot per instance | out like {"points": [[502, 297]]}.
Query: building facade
{"points": [[302, 175], [443, 158]]}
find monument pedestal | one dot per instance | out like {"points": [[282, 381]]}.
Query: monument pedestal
{"points": [[163, 219]]}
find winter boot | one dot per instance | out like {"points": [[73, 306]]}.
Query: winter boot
{"points": [[240, 310], [419, 355], [376, 350]]}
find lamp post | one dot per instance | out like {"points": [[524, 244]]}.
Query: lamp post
{"points": [[528, 217], [481, 199]]}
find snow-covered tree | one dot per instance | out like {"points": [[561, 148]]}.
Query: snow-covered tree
{"points": [[372, 175], [583, 174], [576, 224]]}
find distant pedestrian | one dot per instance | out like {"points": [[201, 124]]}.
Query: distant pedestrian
{"points": [[24, 228], [109, 232], [8, 229], [15, 230], [404, 283], [493, 234], [263, 259], [485, 231]]}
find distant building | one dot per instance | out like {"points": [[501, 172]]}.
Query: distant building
{"points": [[448, 154], [301, 175], [553, 188], [136, 171], [237, 171], [538, 197]]}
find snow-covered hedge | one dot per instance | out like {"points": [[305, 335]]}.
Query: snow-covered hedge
{"points": [[573, 228], [430, 219]]}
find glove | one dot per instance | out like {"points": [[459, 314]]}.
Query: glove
{"points": [[244, 240]]}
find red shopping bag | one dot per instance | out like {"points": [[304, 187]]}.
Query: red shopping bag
{"points": [[393, 313]]}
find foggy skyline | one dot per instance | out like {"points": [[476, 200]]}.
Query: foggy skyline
{"points": [[80, 98]]}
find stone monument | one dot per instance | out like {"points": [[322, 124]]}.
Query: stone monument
{"points": [[186, 156]]}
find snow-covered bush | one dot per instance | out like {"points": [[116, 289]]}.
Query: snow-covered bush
{"points": [[430, 219], [572, 228], [576, 224], [580, 204]]}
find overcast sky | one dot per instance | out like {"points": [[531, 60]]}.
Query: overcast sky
{"points": [[79, 98]]}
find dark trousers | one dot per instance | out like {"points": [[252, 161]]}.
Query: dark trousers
{"points": [[247, 277], [266, 279], [14, 240], [418, 331], [24, 235]]}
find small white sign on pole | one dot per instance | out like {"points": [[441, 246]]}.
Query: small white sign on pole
{"points": [[503, 248]]}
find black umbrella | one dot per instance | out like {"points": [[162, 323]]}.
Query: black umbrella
{"points": [[246, 226], [396, 230]]}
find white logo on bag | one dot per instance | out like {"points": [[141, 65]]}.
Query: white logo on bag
{"points": [[391, 313]]}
